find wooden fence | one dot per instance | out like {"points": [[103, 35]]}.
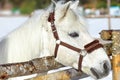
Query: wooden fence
{"points": [[114, 49], [40, 67]]}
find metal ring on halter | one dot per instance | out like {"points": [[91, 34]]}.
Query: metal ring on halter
{"points": [[58, 41], [83, 52]]}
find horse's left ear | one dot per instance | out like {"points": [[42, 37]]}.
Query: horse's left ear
{"points": [[62, 10], [74, 5], [54, 2]]}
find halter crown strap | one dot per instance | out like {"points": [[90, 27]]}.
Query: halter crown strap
{"points": [[90, 47], [51, 19]]}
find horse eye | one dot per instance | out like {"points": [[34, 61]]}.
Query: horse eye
{"points": [[74, 34]]}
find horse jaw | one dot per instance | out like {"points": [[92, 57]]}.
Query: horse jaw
{"points": [[64, 14]]}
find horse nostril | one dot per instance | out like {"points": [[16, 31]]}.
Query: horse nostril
{"points": [[95, 73], [106, 68]]}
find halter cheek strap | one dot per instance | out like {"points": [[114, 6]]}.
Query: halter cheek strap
{"points": [[90, 47]]}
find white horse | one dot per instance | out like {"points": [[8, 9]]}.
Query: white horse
{"points": [[35, 39]]}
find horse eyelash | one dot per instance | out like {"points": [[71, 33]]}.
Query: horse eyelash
{"points": [[74, 34]]}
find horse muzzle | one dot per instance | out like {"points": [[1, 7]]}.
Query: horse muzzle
{"points": [[105, 69]]}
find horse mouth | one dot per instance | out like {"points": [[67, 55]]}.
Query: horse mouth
{"points": [[95, 73]]}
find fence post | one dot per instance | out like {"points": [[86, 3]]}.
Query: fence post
{"points": [[114, 36]]}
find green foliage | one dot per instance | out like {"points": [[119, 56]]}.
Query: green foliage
{"points": [[84, 1], [27, 7], [42, 3], [115, 3], [101, 4]]}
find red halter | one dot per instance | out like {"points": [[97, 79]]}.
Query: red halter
{"points": [[88, 48]]}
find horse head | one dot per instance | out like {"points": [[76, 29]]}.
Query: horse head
{"points": [[71, 29]]}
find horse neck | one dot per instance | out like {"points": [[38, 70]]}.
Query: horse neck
{"points": [[32, 36]]}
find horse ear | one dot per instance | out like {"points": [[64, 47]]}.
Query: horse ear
{"points": [[54, 2], [61, 10], [75, 5], [66, 7]]}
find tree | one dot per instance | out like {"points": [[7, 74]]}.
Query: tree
{"points": [[84, 1], [42, 3], [27, 6], [101, 4]]}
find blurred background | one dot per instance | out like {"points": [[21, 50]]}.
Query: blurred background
{"points": [[100, 14], [88, 8]]}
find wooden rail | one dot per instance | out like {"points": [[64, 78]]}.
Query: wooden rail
{"points": [[40, 66]]}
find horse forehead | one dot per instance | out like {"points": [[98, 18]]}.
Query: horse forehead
{"points": [[70, 26], [69, 22]]}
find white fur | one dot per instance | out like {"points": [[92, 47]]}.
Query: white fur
{"points": [[35, 39]]}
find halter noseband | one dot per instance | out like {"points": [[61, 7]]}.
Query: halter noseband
{"points": [[88, 48]]}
